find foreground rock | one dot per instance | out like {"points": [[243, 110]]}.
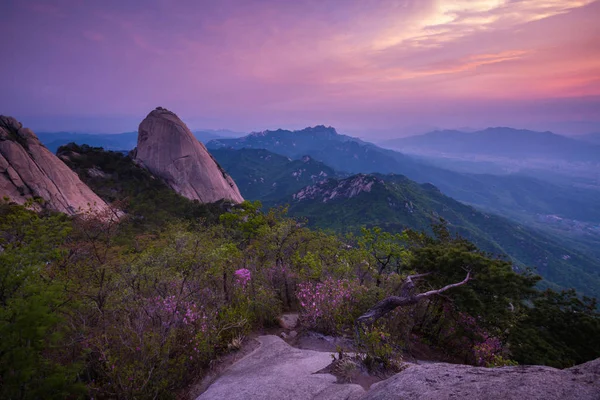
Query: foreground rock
{"points": [[168, 149], [29, 170], [288, 321], [278, 371], [449, 381]]}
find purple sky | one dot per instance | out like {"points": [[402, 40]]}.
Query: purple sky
{"points": [[370, 68]]}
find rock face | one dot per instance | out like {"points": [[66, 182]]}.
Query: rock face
{"points": [[332, 189], [276, 370], [449, 381], [168, 149], [29, 170]]}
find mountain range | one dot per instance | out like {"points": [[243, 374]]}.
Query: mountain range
{"points": [[344, 203], [269, 177], [341, 183], [501, 142], [514, 195]]}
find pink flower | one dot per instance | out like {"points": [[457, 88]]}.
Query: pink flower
{"points": [[242, 276]]}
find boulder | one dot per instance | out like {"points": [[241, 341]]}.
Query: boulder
{"points": [[169, 150], [29, 170], [288, 321]]}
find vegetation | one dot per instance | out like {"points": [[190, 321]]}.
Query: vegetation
{"points": [[395, 203], [138, 306], [269, 177], [117, 179], [90, 307]]}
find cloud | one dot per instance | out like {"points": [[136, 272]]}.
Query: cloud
{"points": [[451, 20], [268, 60]]}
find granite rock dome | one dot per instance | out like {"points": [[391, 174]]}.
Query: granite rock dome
{"points": [[28, 170], [169, 150]]}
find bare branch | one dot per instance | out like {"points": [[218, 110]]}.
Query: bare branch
{"points": [[438, 291], [389, 304], [417, 276]]}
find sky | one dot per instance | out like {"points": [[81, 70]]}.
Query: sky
{"points": [[369, 68]]}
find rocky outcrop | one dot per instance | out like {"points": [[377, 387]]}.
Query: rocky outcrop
{"points": [[169, 150], [333, 189], [276, 370], [28, 170], [448, 381]]}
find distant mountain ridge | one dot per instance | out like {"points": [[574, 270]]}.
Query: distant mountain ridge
{"points": [[503, 194], [293, 144], [118, 141], [500, 142]]}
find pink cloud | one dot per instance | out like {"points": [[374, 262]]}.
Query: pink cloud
{"points": [[259, 62]]}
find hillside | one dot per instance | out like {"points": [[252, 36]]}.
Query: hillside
{"points": [[147, 200], [511, 195], [500, 142], [262, 175], [328, 204], [394, 203]]}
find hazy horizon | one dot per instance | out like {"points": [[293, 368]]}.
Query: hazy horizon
{"points": [[373, 69]]}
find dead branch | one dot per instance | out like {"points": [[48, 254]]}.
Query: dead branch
{"points": [[406, 298]]}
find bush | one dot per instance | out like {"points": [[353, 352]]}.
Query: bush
{"points": [[330, 306]]}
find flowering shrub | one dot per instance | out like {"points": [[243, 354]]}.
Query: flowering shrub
{"points": [[486, 350], [170, 311], [242, 277], [331, 304], [151, 343]]}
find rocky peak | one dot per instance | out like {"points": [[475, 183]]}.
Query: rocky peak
{"points": [[28, 170], [320, 130], [169, 150], [333, 189]]}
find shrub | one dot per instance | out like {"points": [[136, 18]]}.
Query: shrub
{"points": [[331, 305]]}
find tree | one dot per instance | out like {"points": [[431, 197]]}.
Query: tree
{"points": [[560, 330], [32, 301], [385, 252]]}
